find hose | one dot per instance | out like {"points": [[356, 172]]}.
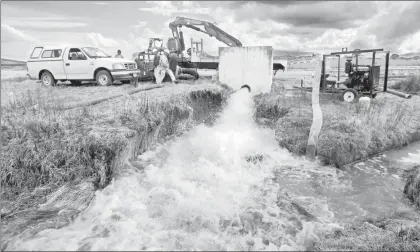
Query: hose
{"points": [[400, 94]]}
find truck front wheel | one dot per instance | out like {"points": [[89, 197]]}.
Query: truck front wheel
{"points": [[47, 79], [103, 78]]}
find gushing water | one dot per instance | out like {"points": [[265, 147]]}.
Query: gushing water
{"points": [[215, 188]]}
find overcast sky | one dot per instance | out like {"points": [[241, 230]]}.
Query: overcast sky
{"points": [[286, 25]]}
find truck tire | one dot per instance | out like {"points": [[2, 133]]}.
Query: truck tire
{"points": [[103, 78], [48, 79], [76, 82], [191, 72]]}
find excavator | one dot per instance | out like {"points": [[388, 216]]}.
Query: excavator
{"points": [[197, 57], [209, 28]]}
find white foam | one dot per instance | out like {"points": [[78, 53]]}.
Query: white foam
{"points": [[412, 158], [201, 181]]}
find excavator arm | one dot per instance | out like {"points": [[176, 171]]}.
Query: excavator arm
{"points": [[209, 28]]}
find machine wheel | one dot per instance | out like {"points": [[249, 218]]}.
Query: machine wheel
{"points": [[48, 79], [76, 83], [349, 95], [103, 78]]}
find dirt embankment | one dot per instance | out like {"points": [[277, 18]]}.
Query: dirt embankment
{"points": [[53, 159]]}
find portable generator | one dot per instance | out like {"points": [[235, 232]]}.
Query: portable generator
{"points": [[362, 80]]}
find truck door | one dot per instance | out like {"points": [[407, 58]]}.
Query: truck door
{"points": [[77, 65]]}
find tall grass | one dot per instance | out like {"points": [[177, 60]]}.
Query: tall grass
{"points": [[398, 231], [412, 187], [45, 145], [410, 85], [348, 134]]}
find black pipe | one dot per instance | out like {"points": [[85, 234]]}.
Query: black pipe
{"points": [[246, 86], [400, 94], [339, 65], [386, 71], [323, 72], [181, 41]]}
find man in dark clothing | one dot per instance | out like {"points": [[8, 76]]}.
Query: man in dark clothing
{"points": [[173, 64]]}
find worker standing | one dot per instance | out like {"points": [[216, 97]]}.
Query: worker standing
{"points": [[162, 68], [173, 64], [119, 55]]}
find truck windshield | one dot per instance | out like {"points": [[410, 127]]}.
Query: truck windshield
{"points": [[93, 52]]}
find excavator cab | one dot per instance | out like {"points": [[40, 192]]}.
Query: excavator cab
{"points": [[173, 45]]}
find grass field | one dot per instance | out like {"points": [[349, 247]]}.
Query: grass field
{"points": [[409, 85], [46, 145], [348, 134], [51, 155]]}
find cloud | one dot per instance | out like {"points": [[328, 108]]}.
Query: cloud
{"points": [[99, 40], [168, 8], [327, 25], [283, 36], [323, 14], [139, 25], [285, 25], [390, 27], [10, 34], [411, 44], [15, 44], [43, 23], [331, 39], [24, 17]]}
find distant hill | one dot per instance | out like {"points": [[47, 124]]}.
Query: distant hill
{"points": [[12, 62], [410, 55], [291, 53], [8, 64]]}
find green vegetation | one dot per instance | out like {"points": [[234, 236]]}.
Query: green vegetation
{"points": [[348, 134], [42, 145], [412, 187], [400, 231], [45, 146], [409, 85]]}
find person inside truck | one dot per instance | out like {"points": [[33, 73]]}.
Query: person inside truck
{"points": [[119, 55]]}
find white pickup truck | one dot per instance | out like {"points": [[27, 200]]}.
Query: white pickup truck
{"points": [[76, 64]]}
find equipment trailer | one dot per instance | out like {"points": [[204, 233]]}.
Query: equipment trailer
{"points": [[363, 80]]}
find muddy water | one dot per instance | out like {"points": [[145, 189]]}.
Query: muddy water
{"points": [[370, 188], [196, 192]]}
